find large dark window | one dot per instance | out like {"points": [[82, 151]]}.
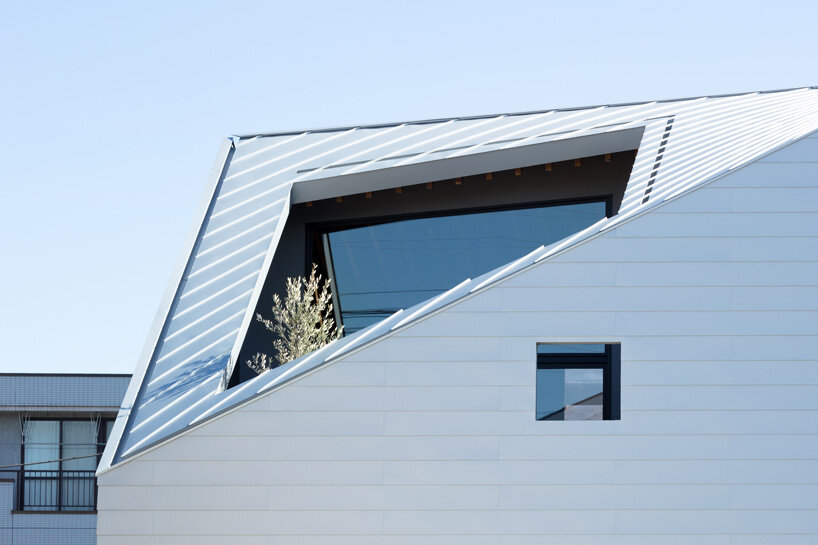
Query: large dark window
{"points": [[382, 266], [578, 382], [60, 458]]}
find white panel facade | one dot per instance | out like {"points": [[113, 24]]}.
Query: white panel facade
{"points": [[429, 436]]}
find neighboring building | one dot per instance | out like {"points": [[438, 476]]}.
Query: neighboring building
{"points": [[610, 336], [53, 428]]}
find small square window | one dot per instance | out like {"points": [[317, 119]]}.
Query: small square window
{"points": [[577, 382]]}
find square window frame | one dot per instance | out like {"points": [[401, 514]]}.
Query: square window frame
{"points": [[610, 363]]}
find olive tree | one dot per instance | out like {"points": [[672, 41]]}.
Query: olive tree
{"points": [[302, 322]]}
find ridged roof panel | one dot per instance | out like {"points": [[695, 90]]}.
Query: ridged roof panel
{"points": [[685, 143]]}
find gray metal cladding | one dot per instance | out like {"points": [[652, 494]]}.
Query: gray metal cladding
{"points": [[685, 143]]}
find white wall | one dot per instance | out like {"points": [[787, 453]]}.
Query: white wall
{"points": [[429, 436]]}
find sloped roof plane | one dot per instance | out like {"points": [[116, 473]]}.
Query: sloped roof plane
{"points": [[196, 337]]}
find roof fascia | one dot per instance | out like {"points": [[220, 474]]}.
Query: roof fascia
{"points": [[609, 141], [134, 390]]}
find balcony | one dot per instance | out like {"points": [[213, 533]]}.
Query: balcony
{"points": [[57, 490]]}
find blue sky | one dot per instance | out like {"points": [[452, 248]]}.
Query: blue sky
{"points": [[112, 114]]}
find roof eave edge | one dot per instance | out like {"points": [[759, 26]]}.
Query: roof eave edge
{"points": [[510, 114], [123, 419]]}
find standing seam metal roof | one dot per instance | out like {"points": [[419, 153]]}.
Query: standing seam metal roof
{"points": [[685, 143]]}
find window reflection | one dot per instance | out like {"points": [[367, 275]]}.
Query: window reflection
{"points": [[378, 269], [569, 394]]}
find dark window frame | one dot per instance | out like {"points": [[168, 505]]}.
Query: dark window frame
{"points": [[608, 361], [22, 477]]}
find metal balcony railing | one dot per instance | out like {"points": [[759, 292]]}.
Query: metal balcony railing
{"points": [[56, 490]]}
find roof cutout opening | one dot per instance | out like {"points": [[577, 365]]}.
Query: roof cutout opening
{"points": [[393, 248]]}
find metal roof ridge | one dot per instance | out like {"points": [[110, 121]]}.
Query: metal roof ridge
{"points": [[509, 114]]}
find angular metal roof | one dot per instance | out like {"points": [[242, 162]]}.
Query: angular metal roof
{"points": [[179, 381]]}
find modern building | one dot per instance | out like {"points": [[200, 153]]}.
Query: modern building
{"points": [[580, 326], [53, 428]]}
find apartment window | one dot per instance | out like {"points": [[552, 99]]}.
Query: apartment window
{"points": [[577, 381], [60, 458]]}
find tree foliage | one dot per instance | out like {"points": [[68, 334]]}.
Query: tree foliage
{"points": [[302, 323]]}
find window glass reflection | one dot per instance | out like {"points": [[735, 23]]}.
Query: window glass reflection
{"points": [[379, 269], [569, 394]]}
